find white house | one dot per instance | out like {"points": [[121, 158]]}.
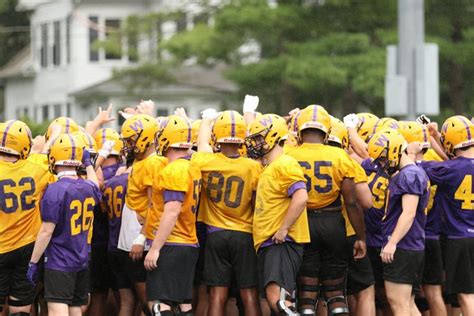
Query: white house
{"points": [[61, 74]]}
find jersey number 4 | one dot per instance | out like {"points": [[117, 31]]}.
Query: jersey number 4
{"points": [[13, 195], [464, 193]]}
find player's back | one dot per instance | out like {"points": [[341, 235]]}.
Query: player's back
{"points": [[179, 176], [325, 168], [69, 203], [21, 186], [115, 190], [454, 179], [228, 185], [142, 176]]}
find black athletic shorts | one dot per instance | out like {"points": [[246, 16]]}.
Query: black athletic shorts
{"points": [[71, 288], [433, 263], [13, 281], [360, 275], [279, 263], [406, 267], [230, 253], [201, 232], [460, 266], [326, 256], [172, 280], [373, 253], [101, 276], [120, 265]]}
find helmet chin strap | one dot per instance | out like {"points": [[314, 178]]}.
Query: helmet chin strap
{"points": [[68, 173]]}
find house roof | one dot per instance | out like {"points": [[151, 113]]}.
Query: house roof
{"points": [[21, 65], [192, 79]]}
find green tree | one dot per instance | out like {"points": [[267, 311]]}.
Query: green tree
{"points": [[14, 32]]}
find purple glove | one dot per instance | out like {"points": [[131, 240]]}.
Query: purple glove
{"points": [[32, 273], [86, 158]]}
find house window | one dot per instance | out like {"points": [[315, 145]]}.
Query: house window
{"points": [[93, 37], [202, 18], [162, 112], [112, 27], [57, 110], [132, 40], [44, 45], [57, 44], [45, 113], [181, 23], [68, 39]]}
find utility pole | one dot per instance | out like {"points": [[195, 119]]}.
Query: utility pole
{"points": [[411, 38]]}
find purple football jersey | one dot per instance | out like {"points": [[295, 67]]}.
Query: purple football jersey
{"points": [[110, 171], [115, 190], [373, 216], [412, 180], [454, 195], [69, 203]]}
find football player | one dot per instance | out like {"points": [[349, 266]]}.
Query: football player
{"points": [[360, 128], [172, 257], [432, 279], [453, 179], [404, 219], [138, 134], [360, 277], [23, 182], [67, 214], [280, 223], [329, 173], [229, 182]]}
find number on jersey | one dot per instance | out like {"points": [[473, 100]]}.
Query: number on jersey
{"points": [[83, 215], [17, 196], [320, 174], [114, 200], [464, 193]]}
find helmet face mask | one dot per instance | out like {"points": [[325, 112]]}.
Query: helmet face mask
{"points": [[257, 147]]}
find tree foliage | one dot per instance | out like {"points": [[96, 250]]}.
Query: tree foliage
{"points": [[331, 52]]}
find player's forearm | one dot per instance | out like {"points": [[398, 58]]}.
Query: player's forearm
{"points": [[436, 145], [363, 196], [99, 161], [297, 207], [167, 223], [41, 243], [354, 211], [92, 176], [204, 136], [92, 127], [359, 146], [405, 221]]}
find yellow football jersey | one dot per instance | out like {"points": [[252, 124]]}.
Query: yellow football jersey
{"points": [[22, 185], [152, 220], [141, 178], [431, 155], [325, 167], [227, 189], [272, 201], [359, 177], [180, 176]]}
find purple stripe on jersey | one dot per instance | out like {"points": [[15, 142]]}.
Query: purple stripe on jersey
{"points": [[170, 195], [462, 119], [181, 245], [269, 242], [232, 124], [296, 186], [212, 229], [73, 155], [4, 139]]}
